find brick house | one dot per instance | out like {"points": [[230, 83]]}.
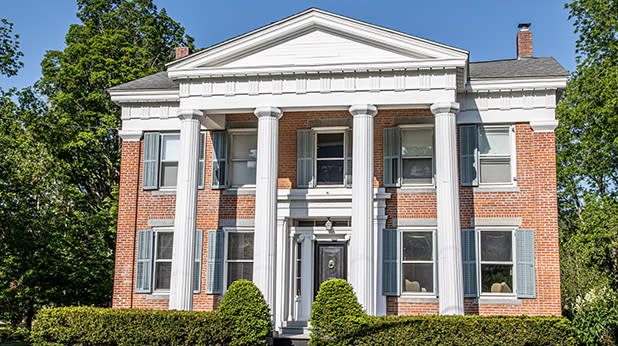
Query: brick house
{"points": [[319, 147]]}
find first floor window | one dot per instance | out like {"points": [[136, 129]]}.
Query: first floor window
{"points": [[239, 256], [496, 261], [417, 261], [164, 241]]}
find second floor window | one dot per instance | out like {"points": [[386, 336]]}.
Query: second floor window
{"points": [[170, 150], [243, 158], [330, 159], [324, 157], [408, 155]]}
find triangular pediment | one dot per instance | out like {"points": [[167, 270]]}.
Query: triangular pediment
{"points": [[317, 38]]}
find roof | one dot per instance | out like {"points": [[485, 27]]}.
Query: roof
{"points": [[517, 68], [159, 80]]}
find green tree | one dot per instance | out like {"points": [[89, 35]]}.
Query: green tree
{"points": [[9, 50], [587, 149]]}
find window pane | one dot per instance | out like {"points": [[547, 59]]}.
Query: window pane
{"points": [[239, 271], [495, 170], [330, 145], [494, 140], [163, 272], [169, 173], [417, 277], [202, 143], [240, 246], [416, 142], [165, 241], [244, 146], [171, 147], [417, 170], [417, 246], [497, 278], [330, 172], [496, 246], [243, 172]]}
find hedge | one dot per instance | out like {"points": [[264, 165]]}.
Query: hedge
{"points": [[100, 326]]}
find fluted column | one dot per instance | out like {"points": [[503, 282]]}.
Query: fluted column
{"points": [[450, 273], [181, 290], [361, 257], [265, 236]]}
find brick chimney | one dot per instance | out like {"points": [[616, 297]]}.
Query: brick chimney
{"points": [[181, 52], [524, 41]]}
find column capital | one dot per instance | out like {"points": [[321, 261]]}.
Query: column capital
{"points": [[268, 111], [363, 109], [445, 107], [188, 114], [130, 135]]}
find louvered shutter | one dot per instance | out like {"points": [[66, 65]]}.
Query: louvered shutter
{"points": [[201, 165], [526, 282], [150, 177], [468, 155], [304, 158], [390, 264], [468, 254], [143, 271], [214, 262], [219, 160], [435, 256], [391, 156], [197, 267], [348, 158]]}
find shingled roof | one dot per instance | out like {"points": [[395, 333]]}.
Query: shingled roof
{"points": [[158, 80], [517, 68]]}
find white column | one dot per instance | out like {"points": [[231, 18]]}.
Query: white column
{"points": [[181, 290], [265, 236], [450, 273], [362, 241]]}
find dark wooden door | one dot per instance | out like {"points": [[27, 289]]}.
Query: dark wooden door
{"points": [[330, 263]]}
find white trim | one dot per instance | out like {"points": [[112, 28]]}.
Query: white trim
{"points": [[544, 125], [516, 84]]}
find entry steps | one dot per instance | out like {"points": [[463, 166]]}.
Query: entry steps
{"points": [[293, 333]]}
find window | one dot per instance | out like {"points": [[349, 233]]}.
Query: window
{"points": [[496, 261], [417, 155], [417, 262], [324, 157], [329, 158], [243, 157], [163, 259], [170, 150], [495, 154], [239, 261]]}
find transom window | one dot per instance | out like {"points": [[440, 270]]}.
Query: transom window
{"points": [[170, 150], [417, 262], [330, 159], [495, 154], [164, 241], [496, 262], [239, 261], [243, 156], [417, 155]]}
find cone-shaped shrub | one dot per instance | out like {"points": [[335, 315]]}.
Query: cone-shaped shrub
{"points": [[245, 312], [336, 314]]}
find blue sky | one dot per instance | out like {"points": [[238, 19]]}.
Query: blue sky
{"points": [[486, 28]]}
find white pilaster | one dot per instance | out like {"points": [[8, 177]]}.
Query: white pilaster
{"points": [[265, 236], [283, 259], [450, 274], [362, 269], [181, 290]]}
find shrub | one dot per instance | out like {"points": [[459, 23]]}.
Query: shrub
{"points": [[336, 314], [10, 333], [100, 326], [595, 317], [244, 311]]}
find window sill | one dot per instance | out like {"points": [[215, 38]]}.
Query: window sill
{"points": [[404, 298], [158, 296], [416, 189], [510, 300], [239, 191], [497, 188], [164, 192]]}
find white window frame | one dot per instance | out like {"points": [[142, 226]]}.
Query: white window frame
{"points": [[155, 233], [323, 130], [480, 261], [434, 261], [402, 128], [226, 232], [231, 133], [161, 161], [513, 151]]}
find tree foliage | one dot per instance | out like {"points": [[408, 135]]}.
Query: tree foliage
{"points": [[9, 50], [587, 148]]}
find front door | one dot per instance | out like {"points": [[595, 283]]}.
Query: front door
{"points": [[330, 263]]}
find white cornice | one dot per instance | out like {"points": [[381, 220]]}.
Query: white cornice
{"points": [[516, 84], [144, 95]]}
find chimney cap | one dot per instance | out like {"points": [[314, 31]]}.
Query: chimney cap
{"points": [[524, 26]]}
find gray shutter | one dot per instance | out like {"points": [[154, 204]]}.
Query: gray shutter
{"points": [[304, 166], [150, 177], [202, 163], [214, 262], [468, 155], [390, 264], [219, 160], [526, 282], [468, 254], [435, 256], [143, 271], [197, 267], [348, 158], [391, 156]]}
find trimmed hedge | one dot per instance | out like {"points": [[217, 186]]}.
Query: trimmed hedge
{"points": [[100, 326]]}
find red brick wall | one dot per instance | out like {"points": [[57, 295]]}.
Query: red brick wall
{"points": [[535, 203]]}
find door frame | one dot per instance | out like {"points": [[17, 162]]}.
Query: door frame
{"points": [[316, 268]]}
